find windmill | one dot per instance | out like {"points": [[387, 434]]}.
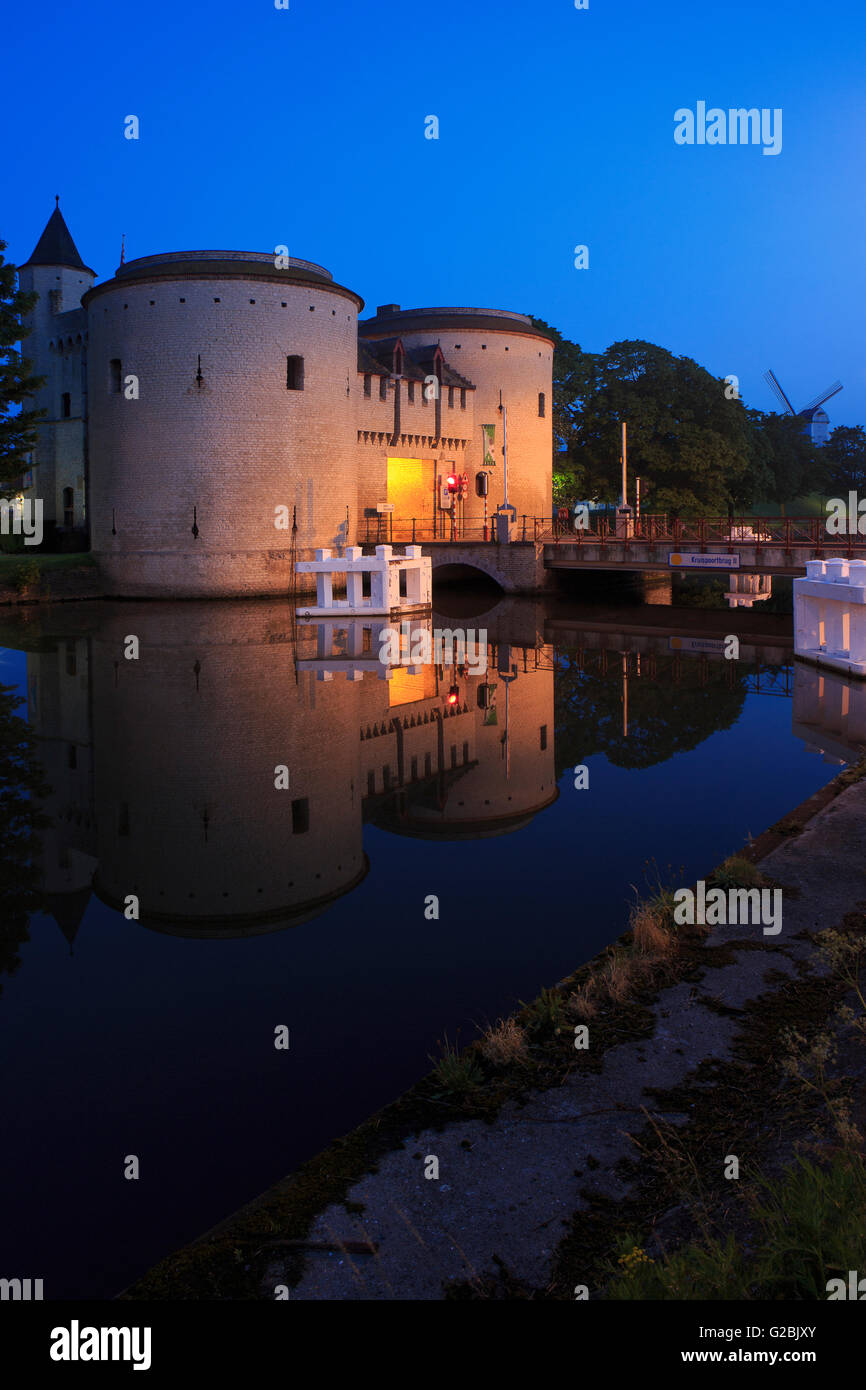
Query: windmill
{"points": [[815, 420]]}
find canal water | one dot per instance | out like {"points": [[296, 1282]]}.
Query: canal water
{"points": [[241, 828]]}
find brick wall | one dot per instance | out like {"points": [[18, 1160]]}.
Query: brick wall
{"points": [[224, 454]]}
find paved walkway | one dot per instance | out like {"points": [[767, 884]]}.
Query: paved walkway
{"points": [[508, 1189]]}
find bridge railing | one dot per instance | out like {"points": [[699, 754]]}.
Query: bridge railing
{"points": [[388, 529], [781, 532], [786, 532]]}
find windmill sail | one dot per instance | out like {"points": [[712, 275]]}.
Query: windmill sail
{"points": [[824, 396], [772, 381]]}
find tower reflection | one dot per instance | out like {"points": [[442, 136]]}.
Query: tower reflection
{"points": [[223, 778]]}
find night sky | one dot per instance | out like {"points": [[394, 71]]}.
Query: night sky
{"points": [[305, 127]]}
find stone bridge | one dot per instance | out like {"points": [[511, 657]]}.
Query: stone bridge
{"points": [[517, 567]]}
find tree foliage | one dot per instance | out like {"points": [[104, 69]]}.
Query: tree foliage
{"points": [[664, 717], [788, 454], [17, 382], [844, 459], [21, 787], [695, 447]]}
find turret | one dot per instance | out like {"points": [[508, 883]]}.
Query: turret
{"points": [[55, 341]]}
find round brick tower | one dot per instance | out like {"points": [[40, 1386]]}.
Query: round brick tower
{"points": [[221, 404], [187, 741], [499, 352]]}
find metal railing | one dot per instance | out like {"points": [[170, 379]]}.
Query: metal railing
{"points": [[388, 529], [786, 533]]}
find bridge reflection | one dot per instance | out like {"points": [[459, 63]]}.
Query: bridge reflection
{"points": [[165, 771]]}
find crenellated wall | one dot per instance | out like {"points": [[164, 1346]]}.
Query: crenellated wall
{"points": [[207, 417]]}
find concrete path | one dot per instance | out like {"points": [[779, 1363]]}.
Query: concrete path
{"points": [[509, 1188]]}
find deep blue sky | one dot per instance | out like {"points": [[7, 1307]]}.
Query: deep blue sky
{"points": [[306, 127]]}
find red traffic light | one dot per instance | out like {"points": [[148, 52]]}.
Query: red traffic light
{"points": [[453, 695], [452, 482]]}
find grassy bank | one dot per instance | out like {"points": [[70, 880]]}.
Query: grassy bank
{"points": [[24, 576], [679, 1233]]}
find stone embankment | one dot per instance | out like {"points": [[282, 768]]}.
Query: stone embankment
{"points": [[544, 1157], [48, 578]]}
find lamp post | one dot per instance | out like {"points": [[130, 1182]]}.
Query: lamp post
{"points": [[504, 413]]}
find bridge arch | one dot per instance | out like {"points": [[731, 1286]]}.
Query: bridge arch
{"points": [[516, 568], [448, 570]]}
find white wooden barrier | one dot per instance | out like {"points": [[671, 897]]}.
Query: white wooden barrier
{"points": [[384, 569], [745, 590], [829, 714], [350, 647], [830, 615]]}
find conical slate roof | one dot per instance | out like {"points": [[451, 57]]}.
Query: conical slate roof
{"points": [[68, 909], [56, 247]]}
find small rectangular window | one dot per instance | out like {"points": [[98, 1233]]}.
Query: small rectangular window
{"points": [[115, 380], [371, 784], [368, 384], [366, 638], [466, 752], [300, 816], [462, 398], [366, 584], [383, 388], [65, 405], [541, 403], [68, 507], [450, 397], [294, 373], [542, 737], [403, 579], [410, 391]]}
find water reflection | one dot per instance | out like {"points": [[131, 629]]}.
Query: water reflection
{"points": [[829, 714], [164, 771], [745, 590]]}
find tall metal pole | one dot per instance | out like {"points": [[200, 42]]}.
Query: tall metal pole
{"points": [[504, 445], [624, 494]]}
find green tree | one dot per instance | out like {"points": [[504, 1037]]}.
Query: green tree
{"points": [[844, 459], [22, 785], [665, 716], [693, 447], [789, 456], [573, 379], [17, 384]]}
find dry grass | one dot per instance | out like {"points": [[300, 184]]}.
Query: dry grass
{"points": [[504, 1042], [583, 1003], [652, 924], [651, 931], [620, 975]]}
